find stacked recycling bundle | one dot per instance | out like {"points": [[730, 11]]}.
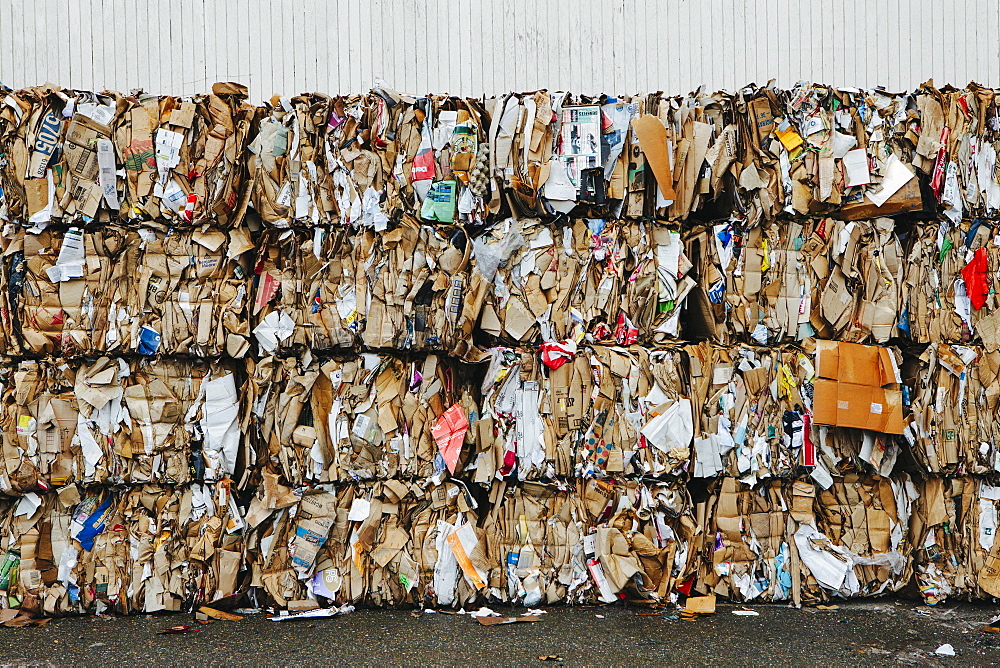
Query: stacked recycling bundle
{"points": [[409, 350]]}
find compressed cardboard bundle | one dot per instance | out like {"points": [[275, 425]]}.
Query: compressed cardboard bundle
{"points": [[390, 543], [429, 350], [394, 542], [358, 417], [951, 284], [150, 291], [583, 417], [953, 398], [613, 281], [769, 412], [788, 280], [117, 421], [631, 156], [407, 288], [789, 540], [143, 548], [954, 532], [599, 540], [363, 159], [183, 158], [812, 150]]}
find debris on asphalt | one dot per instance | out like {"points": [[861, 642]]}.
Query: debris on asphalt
{"points": [[175, 630], [945, 650], [219, 614]]}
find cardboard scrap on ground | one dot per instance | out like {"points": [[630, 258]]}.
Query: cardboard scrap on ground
{"points": [[696, 606], [493, 621]]}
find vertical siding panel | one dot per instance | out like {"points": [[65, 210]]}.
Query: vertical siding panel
{"points": [[455, 53], [112, 47], [291, 46], [626, 30], [198, 33], [375, 34], [350, 45], [186, 59], [476, 48], [478, 62], [754, 42], [844, 43], [677, 48], [523, 77], [390, 69], [741, 37], [723, 28], [287, 79], [576, 54], [639, 26], [213, 39], [780, 22], [536, 62], [554, 80], [990, 41], [74, 48], [487, 64], [309, 48], [802, 66], [719, 73], [301, 45], [469, 59], [253, 63], [403, 56], [153, 50], [223, 41], [238, 65], [30, 56], [58, 42], [894, 35], [18, 75], [37, 25], [564, 62], [662, 33], [269, 31], [6, 45], [431, 73], [935, 68], [949, 46], [136, 14], [757, 27], [90, 20]]}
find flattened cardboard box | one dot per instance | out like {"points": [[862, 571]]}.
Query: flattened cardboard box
{"points": [[853, 388]]}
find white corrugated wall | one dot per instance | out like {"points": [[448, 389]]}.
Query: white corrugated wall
{"points": [[472, 47]]}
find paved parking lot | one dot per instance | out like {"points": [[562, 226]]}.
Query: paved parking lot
{"points": [[866, 633]]}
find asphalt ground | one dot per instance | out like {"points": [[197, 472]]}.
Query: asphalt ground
{"points": [[882, 632]]}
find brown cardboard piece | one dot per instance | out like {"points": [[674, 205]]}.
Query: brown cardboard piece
{"points": [[857, 387], [652, 138]]}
